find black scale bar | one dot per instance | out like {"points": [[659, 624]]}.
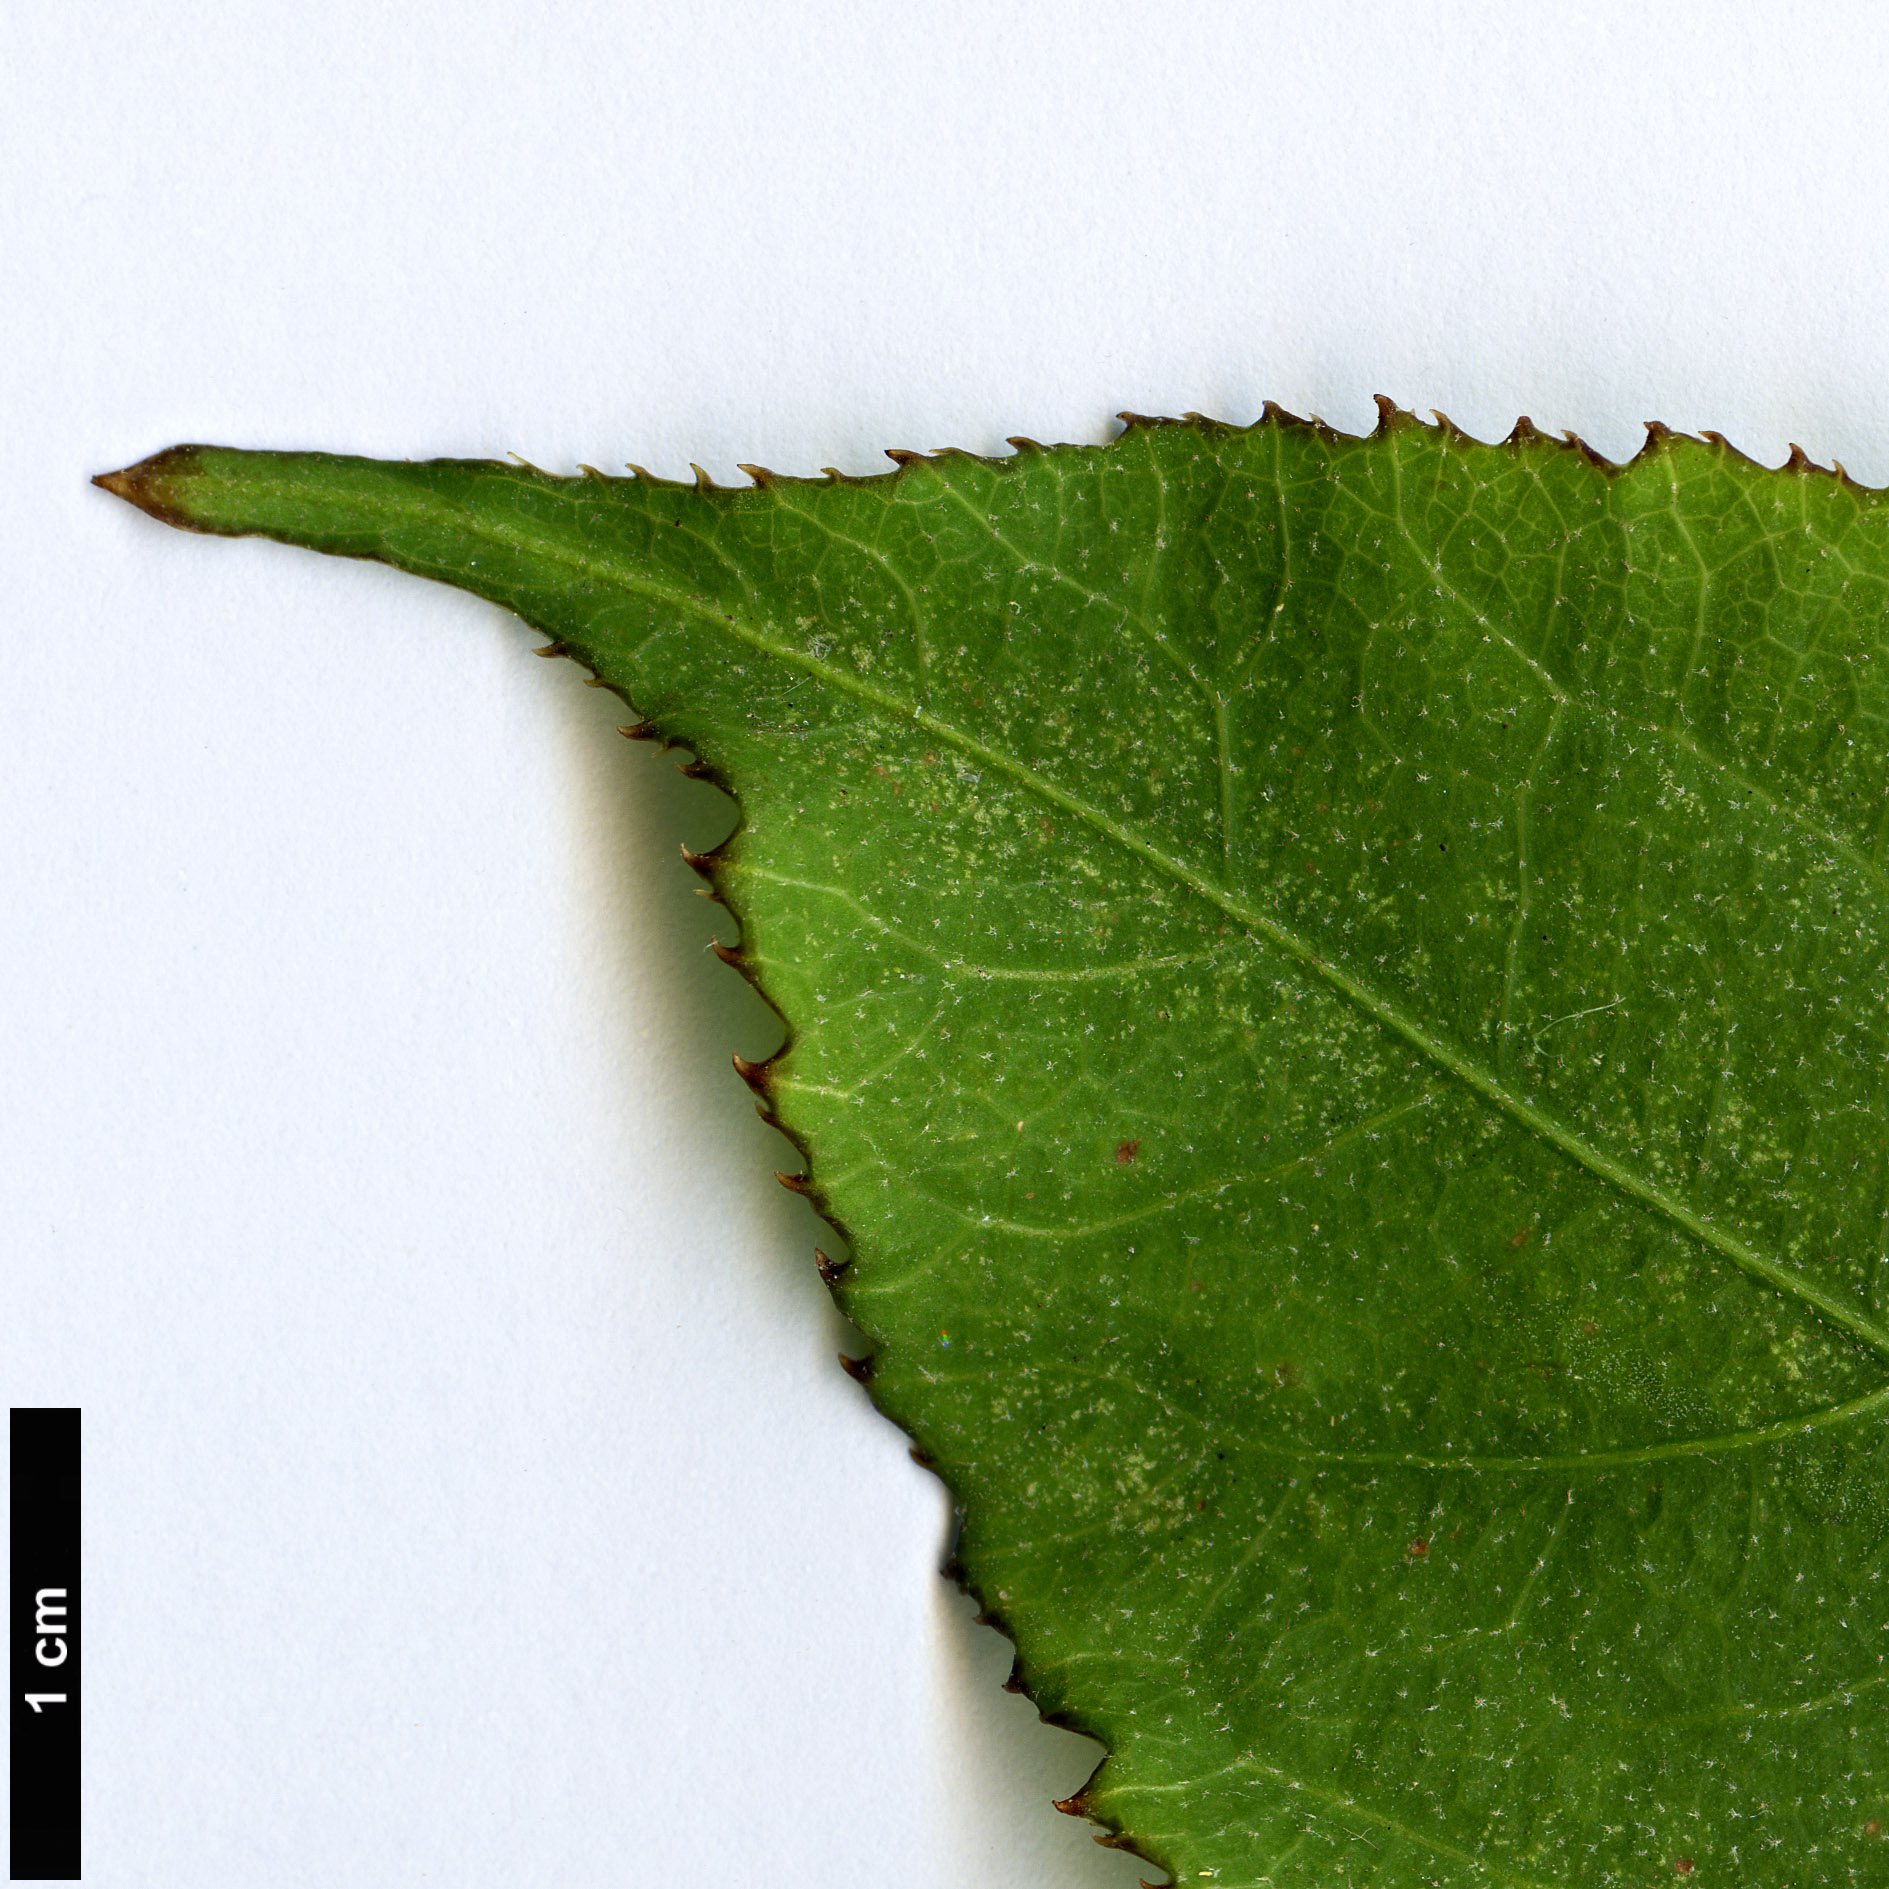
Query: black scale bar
{"points": [[43, 1620]]}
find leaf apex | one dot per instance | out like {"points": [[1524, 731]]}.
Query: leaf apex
{"points": [[151, 484]]}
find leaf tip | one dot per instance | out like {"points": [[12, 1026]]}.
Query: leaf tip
{"points": [[152, 485]]}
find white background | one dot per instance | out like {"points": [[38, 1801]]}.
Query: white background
{"points": [[472, 1496]]}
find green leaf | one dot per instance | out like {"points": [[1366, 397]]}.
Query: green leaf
{"points": [[1335, 991]]}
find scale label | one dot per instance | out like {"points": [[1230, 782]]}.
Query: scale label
{"points": [[43, 1621]]}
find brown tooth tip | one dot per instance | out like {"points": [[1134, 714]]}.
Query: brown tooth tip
{"points": [[1071, 1806], [725, 953], [858, 1369]]}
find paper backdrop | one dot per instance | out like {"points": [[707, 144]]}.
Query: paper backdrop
{"points": [[472, 1495]]}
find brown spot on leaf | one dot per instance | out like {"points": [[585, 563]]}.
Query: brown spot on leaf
{"points": [[1682, 1866], [1126, 1151], [1873, 1828], [1519, 1240], [1418, 1549]]}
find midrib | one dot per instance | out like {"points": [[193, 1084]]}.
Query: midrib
{"points": [[1384, 1010]]}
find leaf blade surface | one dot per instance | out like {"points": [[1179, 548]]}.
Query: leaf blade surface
{"points": [[1335, 990]]}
